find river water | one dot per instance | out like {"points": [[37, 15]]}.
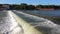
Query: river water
{"points": [[53, 15], [45, 12], [8, 24], [44, 25]]}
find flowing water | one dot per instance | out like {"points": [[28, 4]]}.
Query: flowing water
{"points": [[53, 15], [42, 24], [44, 12], [8, 25]]}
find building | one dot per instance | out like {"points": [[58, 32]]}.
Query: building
{"points": [[45, 8], [4, 6]]}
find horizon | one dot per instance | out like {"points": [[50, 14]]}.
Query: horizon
{"points": [[32, 2]]}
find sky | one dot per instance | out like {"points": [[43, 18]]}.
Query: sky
{"points": [[34, 2]]}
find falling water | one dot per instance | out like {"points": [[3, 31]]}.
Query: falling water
{"points": [[45, 25], [8, 24]]}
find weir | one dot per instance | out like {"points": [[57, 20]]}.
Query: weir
{"points": [[44, 25], [11, 23], [28, 29], [8, 24]]}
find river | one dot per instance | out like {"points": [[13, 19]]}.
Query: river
{"points": [[53, 15], [8, 25], [42, 24]]}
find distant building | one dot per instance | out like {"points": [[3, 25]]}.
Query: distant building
{"points": [[4, 6], [45, 8]]}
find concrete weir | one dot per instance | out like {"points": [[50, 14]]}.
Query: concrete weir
{"points": [[27, 28]]}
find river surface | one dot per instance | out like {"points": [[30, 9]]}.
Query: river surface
{"points": [[42, 24], [53, 15], [8, 25], [39, 22], [45, 12]]}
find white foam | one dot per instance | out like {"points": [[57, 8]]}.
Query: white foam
{"points": [[14, 28]]}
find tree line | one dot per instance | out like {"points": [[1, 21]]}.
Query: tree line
{"points": [[24, 6]]}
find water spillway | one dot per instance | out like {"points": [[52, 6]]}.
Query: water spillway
{"points": [[12, 24], [28, 29], [8, 24], [40, 23], [16, 22]]}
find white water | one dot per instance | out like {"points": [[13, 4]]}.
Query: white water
{"points": [[8, 24], [41, 22], [15, 27]]}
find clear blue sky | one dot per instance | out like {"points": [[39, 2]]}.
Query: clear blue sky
{"points": [[34, 2]]}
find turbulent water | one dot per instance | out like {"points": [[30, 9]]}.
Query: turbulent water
{"points": [[47, 26], [8, 24]]}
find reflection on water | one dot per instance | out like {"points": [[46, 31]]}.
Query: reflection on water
{"points": [[8, 24]]}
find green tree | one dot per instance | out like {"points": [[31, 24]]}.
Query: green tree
{"points": [[30, 7], [23, 6]]}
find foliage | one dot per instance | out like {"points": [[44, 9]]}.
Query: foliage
{"points": [[24, 6]]}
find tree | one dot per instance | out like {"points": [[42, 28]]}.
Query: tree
{"points": [[30, 7], [39, 6], [23, 6], [12, 7]]}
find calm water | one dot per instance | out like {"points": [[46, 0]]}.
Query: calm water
{"points": [[45, 12], [52, 15]]}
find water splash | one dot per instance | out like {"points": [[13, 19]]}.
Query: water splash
{"points": [[41, 23], [15, 27], [8, 24]]}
